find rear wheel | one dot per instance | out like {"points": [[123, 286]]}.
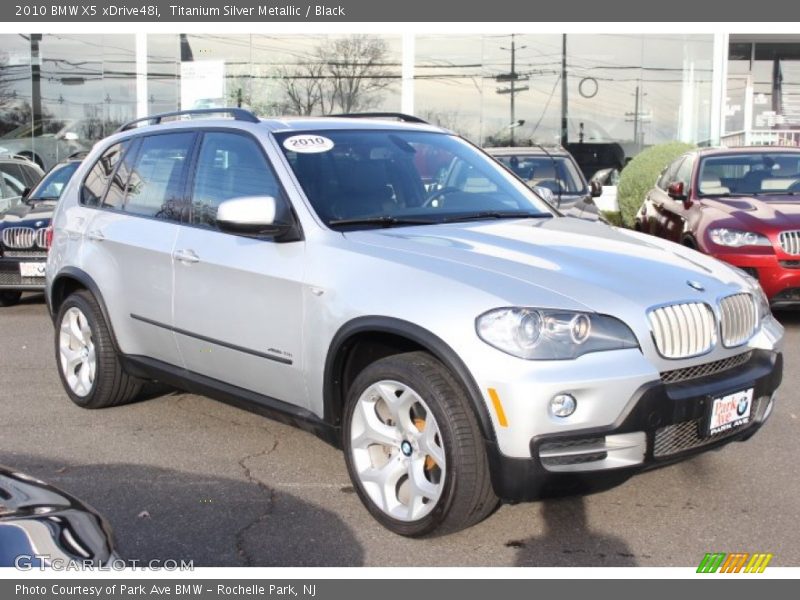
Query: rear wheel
{"points": [[10, 298], [413, 447], [88, 363]]}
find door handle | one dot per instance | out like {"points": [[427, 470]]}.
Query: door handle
{"points": [[186, 256], [96, 235]]}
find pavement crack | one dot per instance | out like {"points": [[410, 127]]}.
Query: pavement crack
{"points": [[270, 501]]}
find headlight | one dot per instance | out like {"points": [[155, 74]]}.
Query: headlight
{"points": [[735, 238], [547, 334]]}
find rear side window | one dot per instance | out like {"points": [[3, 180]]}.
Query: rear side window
{"points": [[229, 166], [96, 182], [155, 185]]}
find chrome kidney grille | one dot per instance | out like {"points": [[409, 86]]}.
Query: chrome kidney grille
{"points": [[24, 238], [790, 242], [683, 330], [738, 319], [690, 329]]}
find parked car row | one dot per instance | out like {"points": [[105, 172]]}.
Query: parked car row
{"points": [[480, 346], [399, 293]]}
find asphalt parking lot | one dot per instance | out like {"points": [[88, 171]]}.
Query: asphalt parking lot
{"points": [[183, 477]]}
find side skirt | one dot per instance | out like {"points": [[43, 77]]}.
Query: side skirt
{"points": [[277, 410]]}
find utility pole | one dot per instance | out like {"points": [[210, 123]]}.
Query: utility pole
{"points": [[637, 117], [513, 89], [564, 106]]}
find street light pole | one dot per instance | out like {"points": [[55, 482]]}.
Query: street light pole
{"points": [[512, 78], [564, 107]]}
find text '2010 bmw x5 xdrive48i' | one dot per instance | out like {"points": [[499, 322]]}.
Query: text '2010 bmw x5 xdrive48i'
{"points": [[463, 344]]}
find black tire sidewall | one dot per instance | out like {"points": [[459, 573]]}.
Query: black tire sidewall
{"points": [[405, 374]]}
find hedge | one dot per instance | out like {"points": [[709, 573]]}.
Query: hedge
{"points": [[640, 175]]}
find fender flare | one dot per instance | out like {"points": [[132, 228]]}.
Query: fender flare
{"points": [[86, 281], [332, 397]]}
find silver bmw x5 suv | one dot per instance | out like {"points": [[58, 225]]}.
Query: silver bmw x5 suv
{"points": [[390, 288]]}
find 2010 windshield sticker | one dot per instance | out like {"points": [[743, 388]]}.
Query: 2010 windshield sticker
{"points": [[308, 144]]}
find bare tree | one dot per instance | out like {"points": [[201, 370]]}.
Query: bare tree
{"points": [[356, 72], [303, 88], [344, 75]]}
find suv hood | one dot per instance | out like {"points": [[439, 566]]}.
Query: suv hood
{"points": [[571, 262], [28, 214], [756, 212]]}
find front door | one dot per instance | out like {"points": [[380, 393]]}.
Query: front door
{"points": [[238, 300]]}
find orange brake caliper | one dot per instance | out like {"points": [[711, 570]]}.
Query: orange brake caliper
{"points": [[429, 462]]}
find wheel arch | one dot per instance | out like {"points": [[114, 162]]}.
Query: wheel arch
{"points": [[70, 280], [397, 336]]}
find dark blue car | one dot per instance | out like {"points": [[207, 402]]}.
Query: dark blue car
{"points": [[25, 234]]}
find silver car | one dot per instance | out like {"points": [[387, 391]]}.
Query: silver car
{"points": [[464, 345]]}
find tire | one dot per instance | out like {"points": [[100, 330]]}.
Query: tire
{"points": [[10, 298], [87, 361], [394, 452]]}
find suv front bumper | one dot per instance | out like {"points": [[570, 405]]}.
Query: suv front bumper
{"points": [[667, 423]]}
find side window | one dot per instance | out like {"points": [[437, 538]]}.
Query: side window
{"points": [[668, 175], [155, 185], [14, 185], [684, 173], [96, 182], [115, 196], [229, 166]]}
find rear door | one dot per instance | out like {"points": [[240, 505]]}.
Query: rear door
{"points": [[238, 300], [130, 239]]}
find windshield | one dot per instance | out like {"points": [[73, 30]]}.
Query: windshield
{"points": [[54, 182], [403, 177], [754, 173], [556, 173]]}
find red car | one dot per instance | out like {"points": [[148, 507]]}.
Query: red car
{"points": [[740, 205]]}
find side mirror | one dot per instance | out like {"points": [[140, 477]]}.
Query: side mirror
{"points": [[596, 187], [26, 192], [676, 191], [254, 216]]}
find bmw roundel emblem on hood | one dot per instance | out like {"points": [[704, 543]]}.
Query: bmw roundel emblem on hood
{"points": [[696, 286]]}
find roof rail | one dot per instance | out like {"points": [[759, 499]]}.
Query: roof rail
{"points": [[383, 115], [240, 114]]}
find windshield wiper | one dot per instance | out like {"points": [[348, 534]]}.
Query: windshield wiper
{"points": [[383, 221], [496, 214]]}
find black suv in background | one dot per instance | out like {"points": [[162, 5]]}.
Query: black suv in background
{"points": [[25, 234]]}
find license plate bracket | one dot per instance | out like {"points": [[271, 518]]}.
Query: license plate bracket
{"points": [[730, 411], [32, 269]]}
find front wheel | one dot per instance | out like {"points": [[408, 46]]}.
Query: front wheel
{"points": [[414, 449]]}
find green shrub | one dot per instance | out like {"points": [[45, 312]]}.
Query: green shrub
{"points": [[640, 175], [612, 217]]}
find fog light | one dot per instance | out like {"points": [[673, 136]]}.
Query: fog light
{"points": [[563, 405]]}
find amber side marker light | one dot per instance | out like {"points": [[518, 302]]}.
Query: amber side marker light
{"points": [[498, 408]]}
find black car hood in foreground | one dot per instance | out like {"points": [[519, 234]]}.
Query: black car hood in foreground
{"points": [[37, 519]]}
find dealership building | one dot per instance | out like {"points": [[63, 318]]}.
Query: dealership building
{"points": [[61, 92]]}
